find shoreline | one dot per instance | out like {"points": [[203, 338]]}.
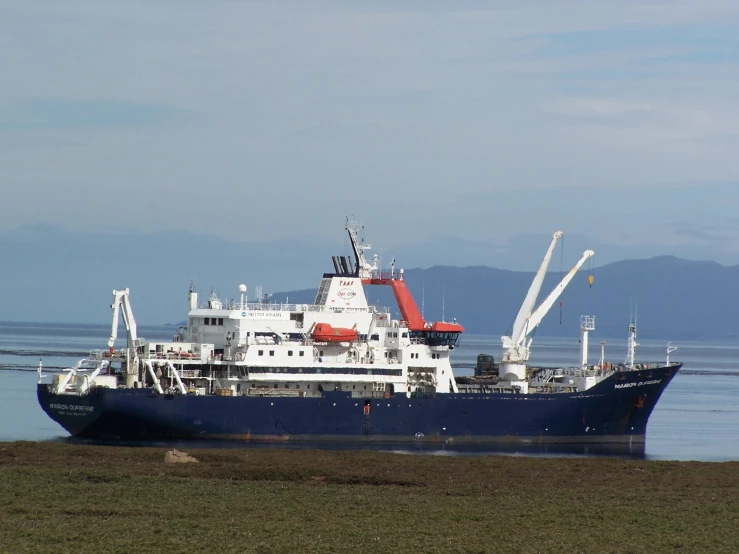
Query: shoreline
{"points": [[58, 497]]}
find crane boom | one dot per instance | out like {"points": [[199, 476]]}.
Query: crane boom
{"points": [[122, 305], [114, 326], [129, 319], [524, 314], [516, 349], [121, 300], [545, 306]]}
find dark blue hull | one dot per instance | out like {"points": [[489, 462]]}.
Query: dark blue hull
{"points": [[616, 410]]}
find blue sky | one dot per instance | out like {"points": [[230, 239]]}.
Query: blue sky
{"points": [[476, 124]]}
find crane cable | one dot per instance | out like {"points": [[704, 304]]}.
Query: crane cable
{"points": [[561, 272], [591, 271]]}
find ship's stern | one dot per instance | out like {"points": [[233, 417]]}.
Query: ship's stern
{"points": [[76, 413]]}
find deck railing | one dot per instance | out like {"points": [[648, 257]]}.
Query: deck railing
{"points": [[285, 307]]}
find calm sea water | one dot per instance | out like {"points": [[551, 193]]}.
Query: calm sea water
{"points": [[697, 417]]}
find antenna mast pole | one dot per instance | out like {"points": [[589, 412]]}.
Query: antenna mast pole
{"points": [[443, 294]]}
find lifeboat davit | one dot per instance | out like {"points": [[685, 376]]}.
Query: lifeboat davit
{"points": [[323, 332]]}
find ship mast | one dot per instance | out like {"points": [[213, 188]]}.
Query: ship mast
{"points": [[602, 361], [587, 324], [670, 350], [632, 345], [363, 268]]}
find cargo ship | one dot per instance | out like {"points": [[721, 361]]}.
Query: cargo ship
{"points": [[341, 369]]}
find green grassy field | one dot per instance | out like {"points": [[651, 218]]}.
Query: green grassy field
{"points": [[64, 498]]}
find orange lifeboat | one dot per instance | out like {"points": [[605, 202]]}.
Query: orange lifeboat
{"points": [[444, 327], [323, 332]]}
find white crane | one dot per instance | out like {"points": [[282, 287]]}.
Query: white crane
{"points": [[122, 305], [516, 348]]}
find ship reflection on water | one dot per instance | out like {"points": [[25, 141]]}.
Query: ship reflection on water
{"points": [[634, 451]]}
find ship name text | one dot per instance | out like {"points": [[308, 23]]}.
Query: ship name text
{"points": [[639, 384], [72, 407]]}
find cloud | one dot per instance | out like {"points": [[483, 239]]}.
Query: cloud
{"points": [[246, 119], [83, 114], [598, 108]]}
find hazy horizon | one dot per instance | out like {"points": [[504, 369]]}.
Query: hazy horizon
{"points": [[54, 276]]}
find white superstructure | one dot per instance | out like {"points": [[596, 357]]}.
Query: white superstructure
{"points": [[255, 347], [339, 342]]}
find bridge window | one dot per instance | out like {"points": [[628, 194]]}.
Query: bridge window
{"points": [[434, 338], [220, 321]]}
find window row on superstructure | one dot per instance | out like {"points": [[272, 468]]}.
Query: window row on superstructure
{"points": [[289, 353], [434, 356], [346, 370]]}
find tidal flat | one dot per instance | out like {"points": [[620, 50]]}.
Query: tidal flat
{"points": [[57, 497]]}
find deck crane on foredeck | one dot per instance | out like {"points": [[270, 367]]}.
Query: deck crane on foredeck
{"points": [[516, 347], [122, 305]]}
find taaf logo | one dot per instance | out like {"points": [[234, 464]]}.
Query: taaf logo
{"points": [[346, 294]]}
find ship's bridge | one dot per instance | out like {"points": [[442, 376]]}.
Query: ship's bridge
{"points": [[435, 338]]}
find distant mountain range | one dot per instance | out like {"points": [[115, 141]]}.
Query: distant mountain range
{"points": [[672, 298], [51, 275]]}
